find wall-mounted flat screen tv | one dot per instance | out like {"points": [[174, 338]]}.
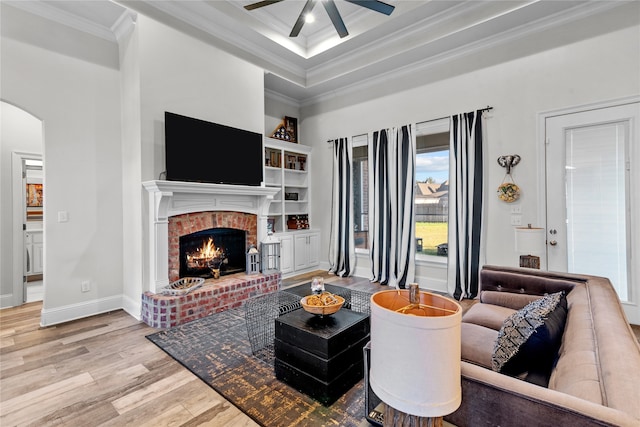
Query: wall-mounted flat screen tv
{"points": [[202, 151]]}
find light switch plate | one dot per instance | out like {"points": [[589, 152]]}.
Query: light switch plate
{"points": [[63, 216], [85, 286]]}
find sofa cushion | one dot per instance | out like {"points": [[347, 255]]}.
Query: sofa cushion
{"points": [[529, 339], [487, 315], [507, 299], [477, 344]]}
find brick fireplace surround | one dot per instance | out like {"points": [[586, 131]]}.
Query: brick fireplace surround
{"points": [[178, 208], [181, 225]]}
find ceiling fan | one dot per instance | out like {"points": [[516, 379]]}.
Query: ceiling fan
{"points": [[331, 9]]}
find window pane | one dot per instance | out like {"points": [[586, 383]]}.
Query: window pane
{"points": [[361, 197], [432, 195], [596, 203]]}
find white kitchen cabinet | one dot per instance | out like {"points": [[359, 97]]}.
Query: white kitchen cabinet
{"points": [[34, 247]]}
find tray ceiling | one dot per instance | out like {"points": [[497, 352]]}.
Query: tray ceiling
{"points": [[319, 62]]}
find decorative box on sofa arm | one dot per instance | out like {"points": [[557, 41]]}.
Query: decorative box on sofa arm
{"points": [[595, 379]]}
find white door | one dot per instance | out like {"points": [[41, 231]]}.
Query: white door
{"points": [[592, 197]]}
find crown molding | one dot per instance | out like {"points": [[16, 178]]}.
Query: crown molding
{"points": [[395, 42], [45, 10], [276, 96], [394, 49], [579, 11], [218, 27], [124, 25]]}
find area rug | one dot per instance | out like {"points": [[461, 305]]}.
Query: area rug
{"points": [[216, 349]]}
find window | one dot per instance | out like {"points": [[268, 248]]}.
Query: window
{"points": [[431, 204], [361, 195]]}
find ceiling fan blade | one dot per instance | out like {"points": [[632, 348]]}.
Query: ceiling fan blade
{"points": [[308, 7], [261, 4], [378, 6], [333, 13]]}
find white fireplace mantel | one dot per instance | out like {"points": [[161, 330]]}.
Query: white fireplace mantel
{"points": [[169, 198]]}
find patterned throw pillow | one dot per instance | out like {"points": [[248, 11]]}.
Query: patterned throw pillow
{"points": [[529, 339]]}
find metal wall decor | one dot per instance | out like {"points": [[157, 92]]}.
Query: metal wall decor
{"points": [[508, 191]]}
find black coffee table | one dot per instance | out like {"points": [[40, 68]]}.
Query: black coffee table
{"points": [[321, 355]]}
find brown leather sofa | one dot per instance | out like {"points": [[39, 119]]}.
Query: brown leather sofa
{"points": [[595, 378]]}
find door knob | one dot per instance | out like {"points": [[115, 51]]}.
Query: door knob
{"points": [[553, 242]]}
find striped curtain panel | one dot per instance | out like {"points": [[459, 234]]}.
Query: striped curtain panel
{"points": [[392, 155], [342, 254], [465, 204]]}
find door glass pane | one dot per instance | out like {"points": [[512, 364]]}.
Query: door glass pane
{"points": [[596, 203]]}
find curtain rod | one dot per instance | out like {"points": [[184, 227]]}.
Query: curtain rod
{"points": [[487, 108]]}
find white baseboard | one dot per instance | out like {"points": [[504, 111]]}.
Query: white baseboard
{"points": [[363, 272], [6, 300], [132, 307], [431, 284], [77, 311], [358, 272]]}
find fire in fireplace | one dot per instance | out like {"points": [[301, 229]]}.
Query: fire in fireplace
{"points": [[205, 251]]}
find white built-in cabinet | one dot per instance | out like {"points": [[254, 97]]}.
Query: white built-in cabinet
{"points": [[286, 253], [306, 254], [299, 251], [287, 168], [34, 246]]}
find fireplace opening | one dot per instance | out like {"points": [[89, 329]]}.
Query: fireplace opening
{"points": [[205, 251]]}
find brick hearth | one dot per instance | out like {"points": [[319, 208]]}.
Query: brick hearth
{"points": [[213, 296]]}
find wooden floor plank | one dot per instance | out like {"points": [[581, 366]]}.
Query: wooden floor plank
{"points": [[142, 396], [15, 411]]}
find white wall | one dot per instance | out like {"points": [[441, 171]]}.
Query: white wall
{"points": [[70, 80], [94, 170], [517, 85], [20, 132], [185, 75], [166, 70]]}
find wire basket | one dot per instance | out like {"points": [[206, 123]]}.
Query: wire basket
{"points": [[182, 286]]}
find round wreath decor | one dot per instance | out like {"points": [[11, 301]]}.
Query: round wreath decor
{"points": [[508, 192]]}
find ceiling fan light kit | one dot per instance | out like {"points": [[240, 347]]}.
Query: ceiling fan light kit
{"points": [[332, 11]]}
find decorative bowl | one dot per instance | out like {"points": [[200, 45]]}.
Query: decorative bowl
{"points": [[328, 307], [182, 286]]}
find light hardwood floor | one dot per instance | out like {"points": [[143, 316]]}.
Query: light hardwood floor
{"points": [[102, 371]]}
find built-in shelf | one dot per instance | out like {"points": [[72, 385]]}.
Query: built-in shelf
{"points": [[286, 168]]}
